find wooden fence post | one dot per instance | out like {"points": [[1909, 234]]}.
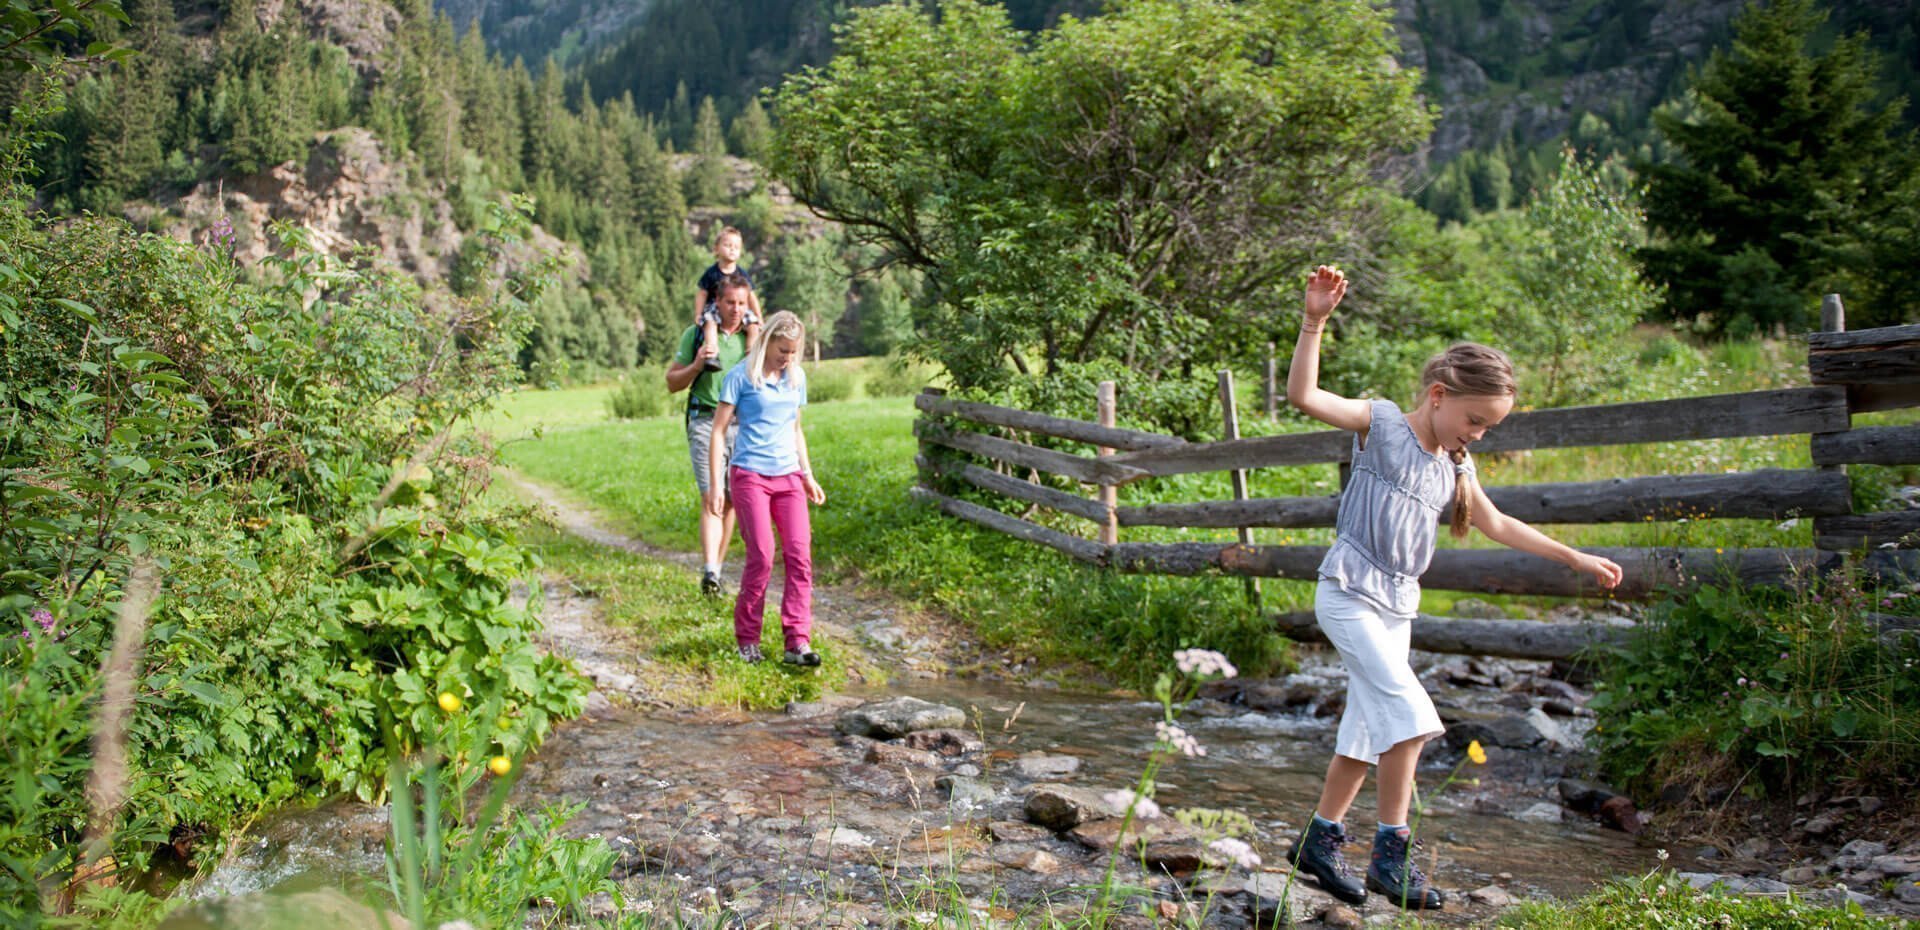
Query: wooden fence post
{"points": [[1833, 319], [1107, 410], [1230, 421]]}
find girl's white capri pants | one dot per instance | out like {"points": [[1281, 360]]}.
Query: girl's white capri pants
{"points": [[1386, 704]]}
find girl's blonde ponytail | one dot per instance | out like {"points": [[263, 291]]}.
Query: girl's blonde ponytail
{"points": [[1472, 370]]}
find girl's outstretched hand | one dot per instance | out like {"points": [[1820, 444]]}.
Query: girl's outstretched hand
{"points": [[1325, 287], [1603, 570]]}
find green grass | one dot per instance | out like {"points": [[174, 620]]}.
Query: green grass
{"points": [[1660, 903]]}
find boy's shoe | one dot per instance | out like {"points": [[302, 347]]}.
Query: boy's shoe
{"points": [[1394, 874], [752, 655], [802, 656], [713, 364], [1317, 853], [710, 584]]}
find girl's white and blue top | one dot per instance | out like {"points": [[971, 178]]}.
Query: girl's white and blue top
{"points": [[1390, 513], [766, 444]]}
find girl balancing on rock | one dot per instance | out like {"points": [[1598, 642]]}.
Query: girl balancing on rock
{"points": [[1408, 469]]}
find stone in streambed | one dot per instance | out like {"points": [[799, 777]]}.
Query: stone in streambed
{"points": [[896, 717]]}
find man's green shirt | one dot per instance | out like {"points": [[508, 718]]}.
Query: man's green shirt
{"points": [[706, 387]]}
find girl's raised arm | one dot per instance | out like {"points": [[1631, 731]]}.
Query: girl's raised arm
{"points": [[1324, 289]]}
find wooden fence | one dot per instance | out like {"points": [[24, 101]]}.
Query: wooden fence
{"points": [[1851, 372]]}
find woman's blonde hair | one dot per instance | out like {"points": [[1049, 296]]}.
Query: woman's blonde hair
{"points": [[782, 325], [1472, 370]]}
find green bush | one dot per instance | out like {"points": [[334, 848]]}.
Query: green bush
{"points": [[643, 394], [898, 376], [1762, 687], [830, 383]]}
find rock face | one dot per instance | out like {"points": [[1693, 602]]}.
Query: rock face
{"points": [[349, 195]]}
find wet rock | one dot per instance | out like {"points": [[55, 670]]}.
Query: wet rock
{"points": [[1803, 874], [1585, 797], [1063, 807], [1823, 824], [967, 770], [1618, 812], [1492, 896], [1037, 765], [843, 836], [1224, 690], [1103, 835], [944, 742], [1341, 917], [1543, 812], [963, 792], [1756, 848], [1333, 705], [1176, 858], [1515, 702], [1897, 866], [1737, 884], [1550, 731], [1859, 854], [1553, 688], [1707, 852], [1265, 892], [1028, 859], [1560, 708], [895, 755], [1014, 831], [1279, 696], [896, 717], [1908, 893]]}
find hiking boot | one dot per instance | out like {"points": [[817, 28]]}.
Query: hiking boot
{"points": [[752, 655], [710, 584], [1394, 874], [1317, 853], [802, 656]]}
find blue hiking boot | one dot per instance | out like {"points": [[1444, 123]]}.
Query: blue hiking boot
{"points": [[1394, 875], [1317, 853]]}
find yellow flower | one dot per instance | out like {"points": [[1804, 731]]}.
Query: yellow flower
{"points": [[449, 701], [499, 765], [1474, 752]]}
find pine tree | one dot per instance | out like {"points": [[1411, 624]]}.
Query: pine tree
{"points": [[707, 178], [751, 132], [1783, 162]]}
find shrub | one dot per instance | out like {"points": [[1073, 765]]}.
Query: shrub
{"points": [[830, 383], [899, 376], [643, 394], [1793, 686]]}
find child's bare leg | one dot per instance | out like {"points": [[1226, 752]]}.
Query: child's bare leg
{"points": [[1344, 778], [710, 334], [1396, 779]]}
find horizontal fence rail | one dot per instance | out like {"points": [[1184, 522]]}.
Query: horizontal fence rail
{"points": [[1852, 372]]}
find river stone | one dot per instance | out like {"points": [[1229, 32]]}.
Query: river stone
{"points": [[1756, 848], [1103, 835], [1043, 765], [964, 792], [1505, 732], [1176, 858], [1014, 831], [1266, 890], [896, 717], [842, 836], [1858, 854], [898, 756], [945, 742], [1551, 731], [1908, 892], [1896, 866], [1870, 806], [1063, 807], [1802, 874], [1582, 796], [1341, 917], [1026, 858], [1543, 812], [1823, 824], [1492, 896], [1738, 884]]}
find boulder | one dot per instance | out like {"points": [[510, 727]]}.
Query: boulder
{"points": [[896, 717]]}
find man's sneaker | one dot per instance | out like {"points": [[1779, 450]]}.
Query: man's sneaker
{"points": [[1317, 853], [802, 656], [751, 655], [1394, 874], [710, 584]]}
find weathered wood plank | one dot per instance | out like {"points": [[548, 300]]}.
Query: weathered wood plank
{"points": [[1257, 452], [1085, 550], [988, 480], [1256, 511], [1876, 445], [1888, 355], [1092, 471], [1756, 413], [1649, 572], [1898, 529], [1768, 494], [1514, 639], [1873, 398], [1080, 430]]}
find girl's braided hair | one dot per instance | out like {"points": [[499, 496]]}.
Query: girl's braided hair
{"points": [[1473, 370]]}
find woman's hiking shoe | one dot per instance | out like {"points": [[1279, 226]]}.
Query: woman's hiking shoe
{"points": [[802, 656], [1317, 853], [1394, 874], [752, 655], [710, 584]]}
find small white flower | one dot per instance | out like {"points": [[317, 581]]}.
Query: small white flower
{"points": [[1204, 662], [645, 906], [1173, 736], [1662, 854], [1241, 854], [1122, 799]]}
